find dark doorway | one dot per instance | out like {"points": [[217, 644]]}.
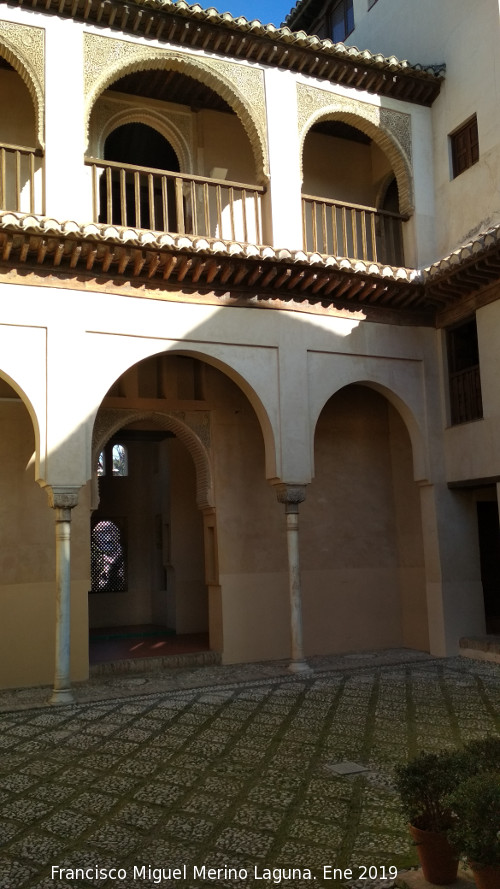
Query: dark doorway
{"points": [[135, 195], [489, 550]]}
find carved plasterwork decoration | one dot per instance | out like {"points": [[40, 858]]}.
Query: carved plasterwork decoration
{"points": [[190, 427], [111, 112], [391, 130], [24, 48], [242, 87]]}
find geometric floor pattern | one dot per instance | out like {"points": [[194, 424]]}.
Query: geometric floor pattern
{"points": [[231, 785]]}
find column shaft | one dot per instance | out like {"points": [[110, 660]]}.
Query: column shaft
{"points": [[62, 693]]}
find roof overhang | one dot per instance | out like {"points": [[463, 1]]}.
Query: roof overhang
{"points": [[246, 274], [198, 28]]}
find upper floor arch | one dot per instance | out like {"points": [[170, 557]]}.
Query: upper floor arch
{"points": [[388, 130], [239, 88], [22, 54]]}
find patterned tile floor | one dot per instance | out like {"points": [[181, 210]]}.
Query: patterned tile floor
{"points": [[206, 778]]}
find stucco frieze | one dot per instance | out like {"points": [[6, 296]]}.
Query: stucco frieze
{"points": [[242, 86], [24, 48], [390, 129]]}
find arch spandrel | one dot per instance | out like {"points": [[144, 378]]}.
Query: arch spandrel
{"points": [[390, 130], [242, 87], [23, 47]]}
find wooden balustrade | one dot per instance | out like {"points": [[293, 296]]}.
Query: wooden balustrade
{"points": [[147, 198], [335, 228], [21, 179]]}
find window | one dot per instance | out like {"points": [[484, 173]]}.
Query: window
{"points": [[341, 20], [464, 147], [120, 460], [107, 564], [115, 456], [463, 368]]}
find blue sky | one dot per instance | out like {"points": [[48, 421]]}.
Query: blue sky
{"points": [[265, 10]]}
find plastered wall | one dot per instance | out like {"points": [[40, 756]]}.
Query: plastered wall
{"points": [[362, 558]]}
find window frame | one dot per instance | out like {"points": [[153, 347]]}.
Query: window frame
{"points": [[347, 7], [464, 146], [464, 375]]}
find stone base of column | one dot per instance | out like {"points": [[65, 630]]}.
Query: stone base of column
{"points": [[62, 696], [299, 667]]}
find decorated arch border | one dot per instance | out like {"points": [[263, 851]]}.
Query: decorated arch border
{"points": [[391, 130], [241, 86], [109, 115], [191, 433], [24, 48]]}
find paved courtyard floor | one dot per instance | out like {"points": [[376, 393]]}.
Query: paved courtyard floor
{"points": [[165, 779]]}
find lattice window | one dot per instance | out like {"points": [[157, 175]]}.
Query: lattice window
{"points": [[107, 564], [101, 464]]}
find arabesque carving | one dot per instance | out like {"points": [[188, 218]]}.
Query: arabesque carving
{"points": [[391, 130], [190, 427], [24, 48], [241, 86], [111, 111]]}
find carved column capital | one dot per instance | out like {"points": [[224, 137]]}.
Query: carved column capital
{"points": [[62, 497], [291, 496]]}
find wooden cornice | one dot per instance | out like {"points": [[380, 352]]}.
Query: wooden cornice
{"points": [[195, 265], [191, 26]]}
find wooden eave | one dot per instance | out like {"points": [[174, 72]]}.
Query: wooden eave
{"points": [[194, 27], [465, 280], [196, 266]]}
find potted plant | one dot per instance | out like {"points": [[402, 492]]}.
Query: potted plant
{"points": [[424, 784], [475, 833]]}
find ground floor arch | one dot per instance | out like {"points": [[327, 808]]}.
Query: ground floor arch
{"points": [[363, 567], [201, 545]]}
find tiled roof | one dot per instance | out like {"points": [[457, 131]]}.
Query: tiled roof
{"points": [[237, 37], [202, 264]]}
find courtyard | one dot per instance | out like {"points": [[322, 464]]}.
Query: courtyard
{"points": [[228, 776]]}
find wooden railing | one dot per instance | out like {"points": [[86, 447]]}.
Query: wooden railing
{"points": [[339, 229], [147, 198], [21, 179], [465, 395]]}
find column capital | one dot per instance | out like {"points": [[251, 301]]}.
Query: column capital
{"points": [[290, 495], [62, 496]]}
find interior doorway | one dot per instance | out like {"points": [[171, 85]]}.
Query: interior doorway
{"points": [[148, 592], [489, 551]]}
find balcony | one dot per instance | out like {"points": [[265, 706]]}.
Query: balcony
{"points": [[159, 200], [21, 179], [336, 228]]}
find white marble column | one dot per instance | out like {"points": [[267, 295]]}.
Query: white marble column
{"points": [[291, 496], [62, 500]]}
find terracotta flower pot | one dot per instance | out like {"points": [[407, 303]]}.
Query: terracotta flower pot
{"points": [[486, 877], [438, 860]]}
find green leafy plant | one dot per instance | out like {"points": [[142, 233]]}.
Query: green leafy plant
{"points": [[475, 807], [424, 784]]}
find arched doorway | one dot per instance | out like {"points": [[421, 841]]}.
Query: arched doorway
{"points": [[148, 583], [129, 196], [362, 550]]}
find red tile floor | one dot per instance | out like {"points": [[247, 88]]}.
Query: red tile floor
{"points": [[120, 643]]}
